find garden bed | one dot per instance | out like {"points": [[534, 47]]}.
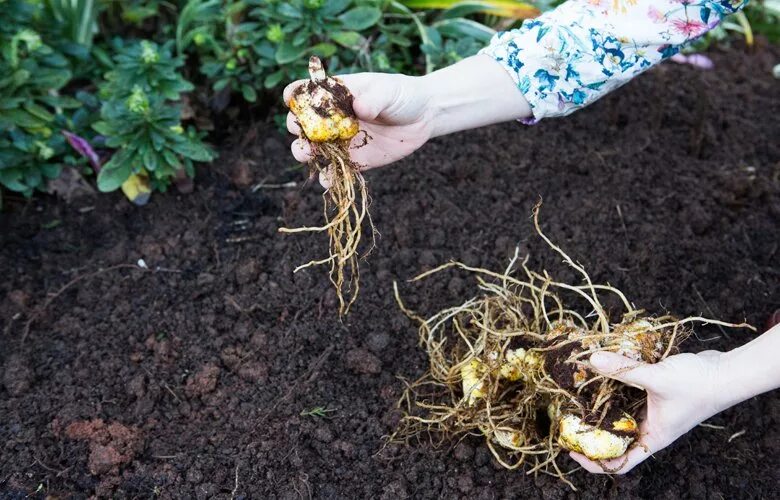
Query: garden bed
{"points": [[201, 376]]}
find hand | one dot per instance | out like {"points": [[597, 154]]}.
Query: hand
{"points": [[393, 112], [681, 393], [400, 113]]}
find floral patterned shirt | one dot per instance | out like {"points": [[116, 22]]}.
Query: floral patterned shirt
{"points": [[571, 56]]}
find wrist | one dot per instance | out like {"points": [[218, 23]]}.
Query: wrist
{"points": [[720, 394], [733, 384], [749, 370], [472, 93]]}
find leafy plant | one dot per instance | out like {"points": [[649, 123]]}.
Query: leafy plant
{"points": [[317, 411], [31, 108], [141, 120], [77, 19]]}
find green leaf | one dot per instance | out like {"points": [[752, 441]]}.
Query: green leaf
{"points": [[324, 49], [249, 93], [114, 173], [149, 157], [194, 151], [360, 18], [289, 10], [60, 101], [23, 119], [221, 84], [273, 79], [39, 112], [346, 38], [171, 159], [300, 38], [10, 179], [460, 28], [286, 53], [333, 7], [103, 128]]}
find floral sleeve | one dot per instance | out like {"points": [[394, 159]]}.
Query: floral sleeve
{"points": [[571, 56]]}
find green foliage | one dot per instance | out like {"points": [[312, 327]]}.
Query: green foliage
{"points": [[318, 411], [149, 66], [115, 73], [31, 110], [139, 118], [250, 45], [76, 19]]}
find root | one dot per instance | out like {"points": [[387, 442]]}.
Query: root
{"points": [[556, 326], [346, 204]]}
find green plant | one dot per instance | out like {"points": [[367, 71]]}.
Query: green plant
{"points": [[140, 118], [76, 19], [245, 46], [759, 17], [317, 411], [32, 111]]}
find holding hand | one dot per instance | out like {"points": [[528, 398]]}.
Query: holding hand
{"points": [[393, 114], [686, 389], [400, 113]]}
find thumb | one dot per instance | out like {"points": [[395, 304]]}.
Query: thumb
{"points": [[623, 369]]}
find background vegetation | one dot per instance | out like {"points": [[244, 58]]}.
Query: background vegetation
{"points": [[127, 91]]}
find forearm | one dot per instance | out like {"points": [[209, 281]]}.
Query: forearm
{"points": [[571, 56], [749, 370], [472, 93]]}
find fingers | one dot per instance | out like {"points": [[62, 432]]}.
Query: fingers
{"points": [[325, 179], [620, 465], [292, 124], [289, 89], [626, 370], [301, 150]]}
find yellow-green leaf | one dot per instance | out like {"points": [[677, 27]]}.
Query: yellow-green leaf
{"points": [[502, 8]]}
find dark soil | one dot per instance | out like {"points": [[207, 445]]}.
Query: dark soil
{"points": [[189, 380]]}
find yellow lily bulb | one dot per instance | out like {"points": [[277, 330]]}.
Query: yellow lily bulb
{"points": [[638, 341], [137, 188], [625, 424], [509, 439], [323, 107], [595, 443], [518, 363], [472, 374]]}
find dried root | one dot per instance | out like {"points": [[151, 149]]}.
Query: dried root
{"points": [[323, 107], [511, 365]]}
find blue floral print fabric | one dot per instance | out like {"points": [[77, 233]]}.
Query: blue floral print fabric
{"points": [[571, 56]]}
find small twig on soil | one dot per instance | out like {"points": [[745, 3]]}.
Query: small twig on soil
{"points": [[736, 435], [37, 314], [235, 487], [284, 185], [242, 239], [711, 313], [622, 223], [163, 384], [60, 472], [232, 301], [168, 388], [713, 426], [166, 457]]}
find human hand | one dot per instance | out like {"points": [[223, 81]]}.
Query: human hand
{"points": [[393, 114], [682, 391], [400, 113]]}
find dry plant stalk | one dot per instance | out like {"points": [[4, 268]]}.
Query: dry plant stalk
{"points": [[511, 365], [323, 107]]}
